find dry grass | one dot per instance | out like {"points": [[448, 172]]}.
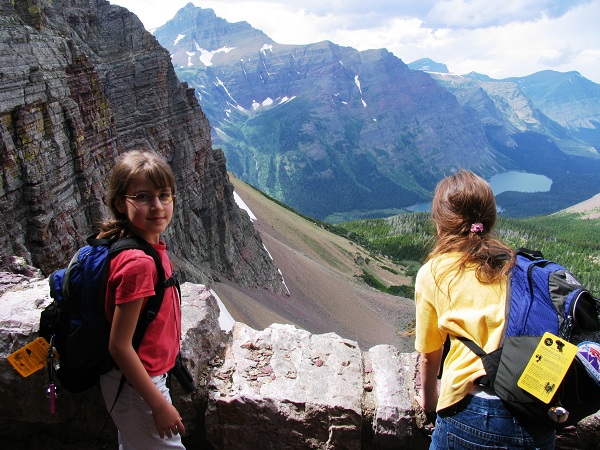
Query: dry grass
{"points": [[589, 208]]}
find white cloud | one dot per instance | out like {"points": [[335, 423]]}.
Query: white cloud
{"points": [[485, 13], [499, 39]]}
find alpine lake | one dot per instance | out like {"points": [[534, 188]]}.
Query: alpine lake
{"points": [[503, 182]]}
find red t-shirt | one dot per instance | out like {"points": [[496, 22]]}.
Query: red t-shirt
{"points": [[133, 275]]}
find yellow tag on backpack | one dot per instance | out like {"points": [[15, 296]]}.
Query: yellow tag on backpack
{"points": [[547, 367], [31, 358]]}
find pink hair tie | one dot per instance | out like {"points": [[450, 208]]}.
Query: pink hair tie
{"points": [[477, 227]]}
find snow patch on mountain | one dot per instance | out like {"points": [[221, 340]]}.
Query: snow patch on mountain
{"points": [[178, 38], [206, 56]]}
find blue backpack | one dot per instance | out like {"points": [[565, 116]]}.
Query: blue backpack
{"points": [[546, 297], [75, 323]]}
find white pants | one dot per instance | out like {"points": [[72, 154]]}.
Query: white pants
{"points": [[132, 415]]}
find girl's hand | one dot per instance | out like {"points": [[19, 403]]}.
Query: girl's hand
{"points": [[167, 420], [430, 415]]}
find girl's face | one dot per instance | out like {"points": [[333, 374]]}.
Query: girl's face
{"points": [[143, 206]]}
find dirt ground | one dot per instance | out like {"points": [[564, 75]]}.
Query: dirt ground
{"points": [[590, 207], [320, 272]]}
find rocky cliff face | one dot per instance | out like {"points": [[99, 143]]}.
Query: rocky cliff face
{"points": [[81, 82]]}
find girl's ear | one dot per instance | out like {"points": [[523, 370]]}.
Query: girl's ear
{"points": [[120, 205]]}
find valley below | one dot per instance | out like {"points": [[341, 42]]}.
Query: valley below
{"points": [[322, 273]]}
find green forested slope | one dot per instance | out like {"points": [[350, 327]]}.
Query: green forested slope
{"points": [[564, 238]]}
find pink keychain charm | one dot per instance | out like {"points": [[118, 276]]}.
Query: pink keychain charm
{"points": [[52, 395]]}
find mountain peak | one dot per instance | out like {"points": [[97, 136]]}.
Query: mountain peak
{"points": [[194, 29], [478, 76], [428, 65]]}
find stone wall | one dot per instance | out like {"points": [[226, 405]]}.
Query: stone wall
{"points": [[281, 387]]}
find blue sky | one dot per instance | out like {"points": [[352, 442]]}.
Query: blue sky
{"points": [[499, 39]]}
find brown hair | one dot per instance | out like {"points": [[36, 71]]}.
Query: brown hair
{"points": [[128, 166], [464, 211]]}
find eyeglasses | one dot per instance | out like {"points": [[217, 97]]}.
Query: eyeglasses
{"points": [[145, 198]]}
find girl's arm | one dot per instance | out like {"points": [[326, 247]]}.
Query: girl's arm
{"points": [[166, 417], [429, 368]]}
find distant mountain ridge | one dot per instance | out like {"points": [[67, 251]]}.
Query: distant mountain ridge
{"points": [[428, 65], [338, 134], [564, 106]]}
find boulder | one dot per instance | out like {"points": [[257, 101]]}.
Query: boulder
{"points": [[286, 388], [393, 380]]}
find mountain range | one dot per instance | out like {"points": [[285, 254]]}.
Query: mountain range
{"points": [[340, 134], [83, 82]]}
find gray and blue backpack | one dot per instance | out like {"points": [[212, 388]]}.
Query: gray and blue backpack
{"points": [[544, 296]]}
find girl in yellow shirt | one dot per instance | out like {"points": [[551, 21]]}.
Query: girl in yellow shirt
{"points": [[461, 291]]}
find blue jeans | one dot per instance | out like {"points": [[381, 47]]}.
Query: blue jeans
{"points": [[478, 423]]}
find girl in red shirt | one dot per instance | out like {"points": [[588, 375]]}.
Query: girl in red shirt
{"points": [[141, 199]]}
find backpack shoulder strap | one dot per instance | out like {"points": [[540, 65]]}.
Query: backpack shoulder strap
{"points": [[153, 304], [472, 346], [485, 379]]}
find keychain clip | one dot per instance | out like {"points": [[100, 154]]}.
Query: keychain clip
{"points": [[51, 365]]}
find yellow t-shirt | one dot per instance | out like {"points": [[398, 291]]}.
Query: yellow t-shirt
{"points": [[458, 305]]}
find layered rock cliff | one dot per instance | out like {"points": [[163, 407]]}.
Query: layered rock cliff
{"points": [[81, 82]]}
